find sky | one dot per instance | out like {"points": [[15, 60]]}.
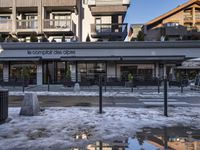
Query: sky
{"points": [[142, 11]]}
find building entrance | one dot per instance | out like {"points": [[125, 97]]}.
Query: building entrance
{"points": [[54, 72]]}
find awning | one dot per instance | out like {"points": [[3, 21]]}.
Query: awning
{"points": [[188, 67], [153, 58], [20, 58], [92, 58]]}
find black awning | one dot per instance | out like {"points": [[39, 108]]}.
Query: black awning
{"points": [[132, 58], [20, 58], [92, 58]]}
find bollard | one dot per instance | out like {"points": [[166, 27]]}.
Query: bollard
{"points": [[158, 85], [105, 84], [48, 84], [181, 86], [3, 105], [23, 84], [100, 94], [165, 98], [132, 86], [165, 139]]}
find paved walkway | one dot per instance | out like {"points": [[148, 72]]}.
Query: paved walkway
{"points": [[143, 96]]}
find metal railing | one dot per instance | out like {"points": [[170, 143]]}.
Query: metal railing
{"points": [[109, 28], [58, 24], [27, 24], [5, 24]]}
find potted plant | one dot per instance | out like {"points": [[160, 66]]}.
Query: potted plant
{"points": [[68, 80], [26, 76], [130, 80]]}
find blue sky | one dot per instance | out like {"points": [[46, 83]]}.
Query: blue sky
{"points": [[142, 11]]}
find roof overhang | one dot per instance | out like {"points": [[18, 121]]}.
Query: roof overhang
{"points": [[20, 59], [173, 11], [95, 58], [160, 58]]}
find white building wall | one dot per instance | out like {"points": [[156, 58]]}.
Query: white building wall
{"points": [[74, 17], [106, 19], [88, 19]]}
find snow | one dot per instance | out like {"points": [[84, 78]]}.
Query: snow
{"points": [[145, 94], [192, 62], [56, 128]]}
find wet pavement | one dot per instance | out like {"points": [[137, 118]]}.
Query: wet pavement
{"points": [[171, 138], [93, 101]]}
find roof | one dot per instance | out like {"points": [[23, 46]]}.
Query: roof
{"points": [[101, 45], [173, 11]]}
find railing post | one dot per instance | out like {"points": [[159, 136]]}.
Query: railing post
{"points": [[105, 84], [132, 86], [158, 85], [23, 84], [181, 86], [165, 139], [165, 98], [100, 94], [48, 84]]}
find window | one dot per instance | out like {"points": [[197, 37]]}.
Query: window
{"points": [[172, 24], [4, 17], [62, 20], [98, 24]]}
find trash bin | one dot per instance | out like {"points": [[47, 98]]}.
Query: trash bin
{"points": [[3, 105]]}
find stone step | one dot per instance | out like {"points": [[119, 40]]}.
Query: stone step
{"points": [[169, 103], [156, 100]]}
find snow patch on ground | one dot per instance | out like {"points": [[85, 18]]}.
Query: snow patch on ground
{"points": [[111, 94], [58, 128]]}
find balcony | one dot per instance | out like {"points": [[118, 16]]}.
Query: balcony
{"points": [[109, 30], [188, 19], [27, 25], [108, 7], [5, 25], [176, 30], [197, 17], [64, 3], [108, 2], [56, 25]]}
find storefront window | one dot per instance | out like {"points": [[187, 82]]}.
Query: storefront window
{"points": [[20, 71], [89, 72]]}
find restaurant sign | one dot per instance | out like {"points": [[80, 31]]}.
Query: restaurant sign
{"points": [[50, 52]]}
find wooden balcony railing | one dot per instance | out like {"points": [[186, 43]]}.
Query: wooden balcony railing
{"points": [[27, 24], [58, 24], [5, 25], [197, 17], [188, 18]]}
